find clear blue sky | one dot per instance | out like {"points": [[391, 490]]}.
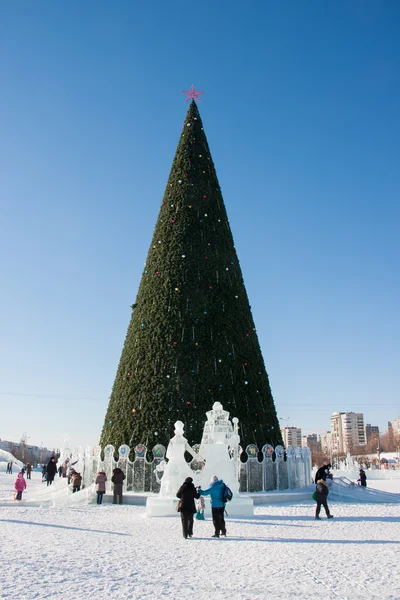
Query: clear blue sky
{"points": [[301, 110]]}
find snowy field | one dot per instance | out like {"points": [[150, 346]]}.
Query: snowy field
{"points": [[114, 552]]}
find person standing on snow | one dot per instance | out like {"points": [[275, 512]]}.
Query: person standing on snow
{"points": [[118, 480], [217, 505], [322, 472], [51, 470], [19, 486], [100, 482], [362, 480], [187, 493]]}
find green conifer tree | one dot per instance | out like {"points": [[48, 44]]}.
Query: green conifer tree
{"points": [[191, 340]]}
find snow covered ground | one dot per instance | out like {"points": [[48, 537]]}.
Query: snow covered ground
{"points": [[115, 552]]}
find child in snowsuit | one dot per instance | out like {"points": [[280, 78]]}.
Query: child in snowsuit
{"points": [[200, 506], [19, 486], [76, 480]]}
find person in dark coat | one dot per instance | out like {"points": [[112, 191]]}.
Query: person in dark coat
{"points": [[117, 479], [28, 470], [322, 472], [322, 492], [362, 480], [51, 470], [187, 494]]}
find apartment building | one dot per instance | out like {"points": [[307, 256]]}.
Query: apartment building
{"points": [[348, 431], [291, 436]]}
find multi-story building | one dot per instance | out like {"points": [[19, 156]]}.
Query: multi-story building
{"points": [[326, 443], [291, 436], [348, 431], [313, 442], [25, 453], [394, 429], [371, 433]]}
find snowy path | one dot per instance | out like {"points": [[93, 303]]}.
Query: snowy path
{"points": [[112, 552]]}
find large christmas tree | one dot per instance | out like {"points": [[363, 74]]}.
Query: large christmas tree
{"points": [[191, 340]]}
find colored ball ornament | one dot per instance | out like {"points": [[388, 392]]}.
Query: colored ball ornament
{"points": [[175, 343], [179, 180], [187, 402], [111, 422], [205, 196], [245, 364], [143, 324], [172, 220], [133, 410], [183, 255], [177, 289], [205, 312], [210, 287], [129, 374], [168, 376], [246, 382], [156, 433]]}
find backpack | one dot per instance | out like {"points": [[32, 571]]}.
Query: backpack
{"points": [[227, 494]]}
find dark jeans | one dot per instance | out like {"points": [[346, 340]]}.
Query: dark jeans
{"points": [[218, 520], [28, 475], [100, 497], [117, 492], [187, 524], [322, 502], [49, 481], [19, 496], [76, 488]]}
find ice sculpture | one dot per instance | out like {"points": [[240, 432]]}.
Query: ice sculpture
{"points": [[219, 447], [177, 469]]}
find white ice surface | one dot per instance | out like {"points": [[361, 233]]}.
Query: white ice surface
{"points": [[114, 552]]}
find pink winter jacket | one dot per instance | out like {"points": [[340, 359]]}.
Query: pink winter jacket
{"points": [[20, 484]]}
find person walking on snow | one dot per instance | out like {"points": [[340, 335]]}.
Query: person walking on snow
{"points": [[322, 492], [187, 493], [217, 505], [28, 470], [19, 486]]}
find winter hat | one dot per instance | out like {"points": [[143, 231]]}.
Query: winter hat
{"points": [[188, 480], [214, 478]]}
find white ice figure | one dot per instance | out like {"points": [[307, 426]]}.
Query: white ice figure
{"points": [[177, 468], [219, 447]]}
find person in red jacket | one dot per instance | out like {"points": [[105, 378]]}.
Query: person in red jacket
{"points": [[19, 486]]}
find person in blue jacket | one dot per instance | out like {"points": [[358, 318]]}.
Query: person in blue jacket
{"points": [[217, 506]]}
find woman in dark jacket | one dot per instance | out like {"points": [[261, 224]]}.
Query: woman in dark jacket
{"points": [[322, 492], [51, 470], [187, 493]]}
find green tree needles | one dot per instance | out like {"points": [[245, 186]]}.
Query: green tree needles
{"points": [[191, 340]]}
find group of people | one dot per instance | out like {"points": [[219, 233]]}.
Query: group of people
{"points": [[187, 495]]}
